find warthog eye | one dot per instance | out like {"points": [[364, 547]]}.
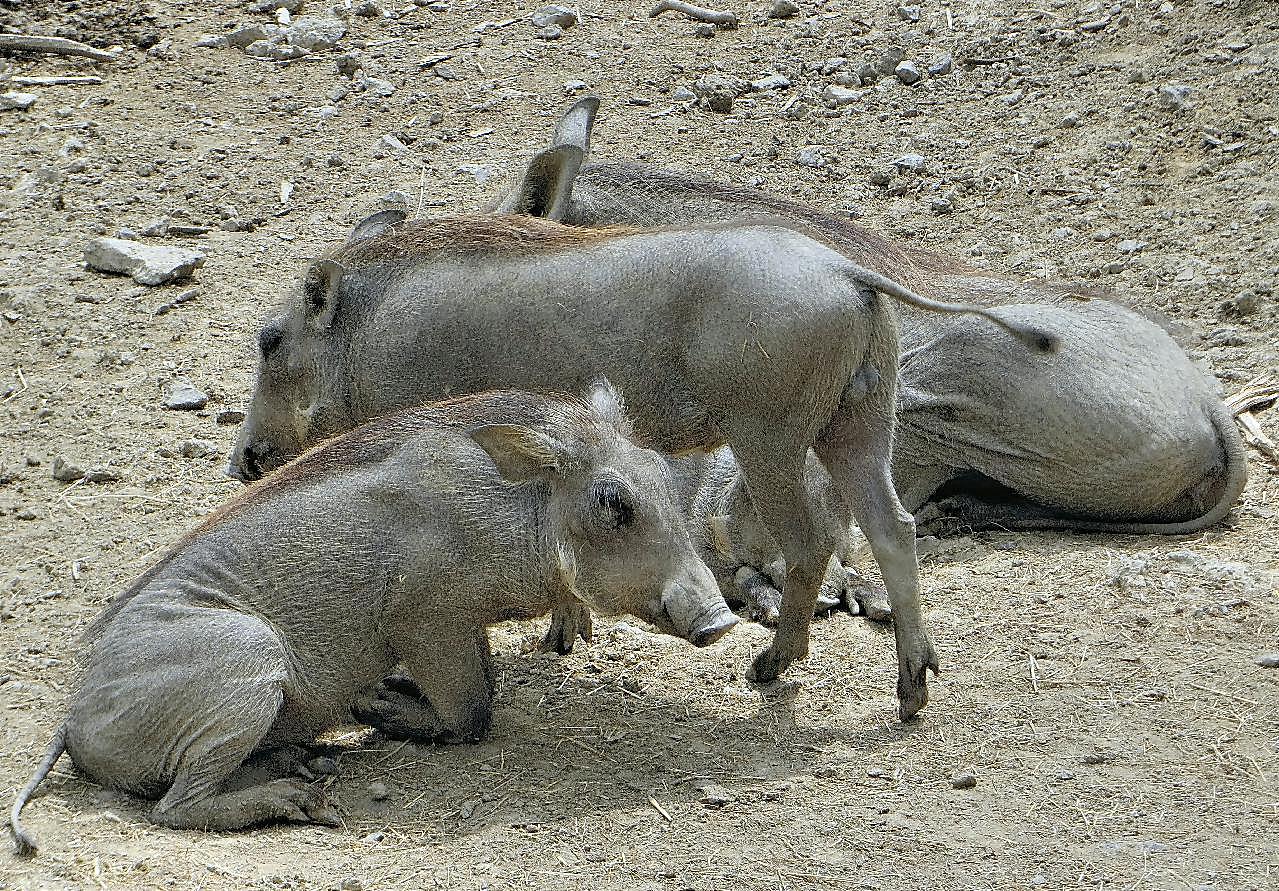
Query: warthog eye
{"points": [[269, 338], [612, 499]]}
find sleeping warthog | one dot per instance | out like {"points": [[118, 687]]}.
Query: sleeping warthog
{"points": [[752, 336], [399, 542], [1116, 432]]}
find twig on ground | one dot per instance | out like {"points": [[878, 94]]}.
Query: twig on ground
{"points": [[1258, 395], [87, 80], [698, 13], [61, 46]]}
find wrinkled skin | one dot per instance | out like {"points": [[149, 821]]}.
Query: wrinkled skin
{"points": [[1116, 432], [405, 313], [421, 529]]}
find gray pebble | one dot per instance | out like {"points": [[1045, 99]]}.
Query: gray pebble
{"points": [[703, 29], [908, 73], [963, 781], [550, 32], [561, 16], [378, 791], [229, 416], [311, 32], [1174, 97], [368, 10], [908, 13], [65, 471], [913, 163], [148, 264], [323, 766], [575, 86], [889, 59], [184, 396], [682, 94], [836, 95], [101, 473], [784, 9], [811, 156], [199, 448], [941, 65], [1268, 660], [770, 82], [939, 205]]}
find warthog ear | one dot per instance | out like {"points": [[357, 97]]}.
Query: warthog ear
{"points": [[520, 453], [607, 402], [547, 187], [376, 224], [320, 291]]}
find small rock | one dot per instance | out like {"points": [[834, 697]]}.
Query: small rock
{"points": [[811, 156], [368, 10], [374, 837], [714, 795], [351, 885], [1070, 120], [17, 101], [836, 95], [771, 82], [247, 35], [703, 30], [65, 471], [889, 59], [157, 228], [908, 73], [323, 766], [1174, 97], [478, 172], [199, 448], [682, 94], [575, 86], [390, 143], [148, 264], [561, 16], [1131, 246], [940, 66], [719, 91], [908, 13], [550, 32], [784, 9], [101, 473], [378, 791], [229, 417], [376, 85], [211, 41], [264, 6], [184, 396], [1268, 660], [963, 781], [274, 50], [939, 205], [315, 32], [880, 177], [913, 163]]}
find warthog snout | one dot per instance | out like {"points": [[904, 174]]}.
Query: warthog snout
{"points": [[701, 619], [250, 462]]}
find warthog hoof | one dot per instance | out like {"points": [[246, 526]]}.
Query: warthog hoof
{"points": [[568, 624], [914, 663]]}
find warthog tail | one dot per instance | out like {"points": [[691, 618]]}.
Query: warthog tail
{"points": [[1036, 338], [24, 844]]}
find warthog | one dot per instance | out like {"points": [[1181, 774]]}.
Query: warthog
{"points": [[754, 336], [740, 552], [1116, 432], [397, 543]]}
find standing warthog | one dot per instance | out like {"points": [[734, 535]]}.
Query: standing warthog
{"points": [[1116, 432], [399, 542], [753, 336]]}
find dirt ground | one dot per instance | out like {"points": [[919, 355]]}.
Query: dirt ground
{"points": [[1102, 690]]}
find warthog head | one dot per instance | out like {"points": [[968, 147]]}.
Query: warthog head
{"points": [[617, 537]]}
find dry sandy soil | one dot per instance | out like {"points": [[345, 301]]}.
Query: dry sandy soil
{"points": [[1102, 690]]}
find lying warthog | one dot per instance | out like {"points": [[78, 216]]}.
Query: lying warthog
{"points": [[1116, 432], [757, 337], [399, 542]]}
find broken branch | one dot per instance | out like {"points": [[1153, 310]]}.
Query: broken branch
{"points": [[61, 46], [698, 13]]}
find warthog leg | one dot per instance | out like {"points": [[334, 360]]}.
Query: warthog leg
{"points": [[454, 668], [777, 489], [398, 709], [570, 620]]}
